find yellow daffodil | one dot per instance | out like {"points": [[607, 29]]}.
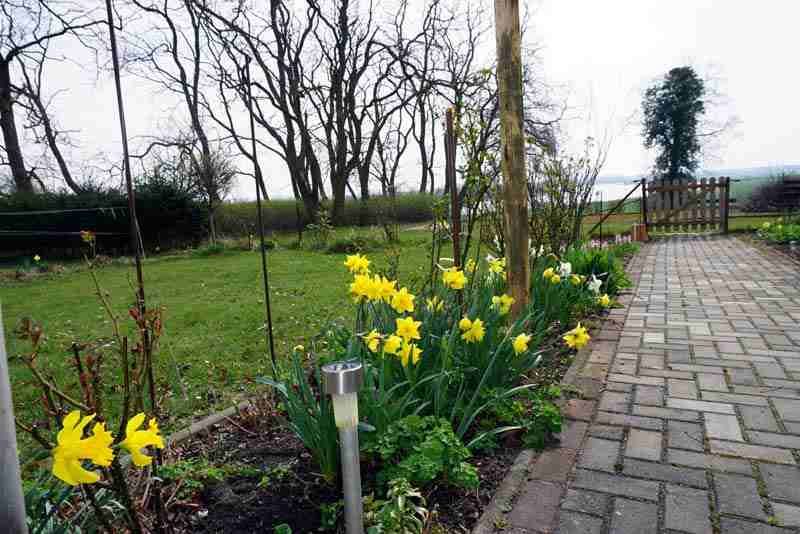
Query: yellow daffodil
{"points": [[408, 328], [471, 266], [575, 280], [372, 340], [471, 331], [604, 301], [434, 304], [409, 351], [454, 278], [136, 440], [520, 343], [387, 288], [496, 265], [502, 303], [403, 301], [37, 258], [548, 273], [357, 264], [299, 348], [555, 279], [360, 287], [392, 344], [577, 337], [71, 448]]}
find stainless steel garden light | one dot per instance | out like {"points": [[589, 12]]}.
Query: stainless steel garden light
{"points": [[342, 381]]}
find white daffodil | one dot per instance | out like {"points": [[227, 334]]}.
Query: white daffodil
{"points": [[565, 269], [595, 284]]}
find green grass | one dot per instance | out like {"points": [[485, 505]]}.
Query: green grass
{"points": [[213, 342]]}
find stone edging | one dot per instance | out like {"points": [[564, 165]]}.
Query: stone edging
{"points": [[548, 469]]}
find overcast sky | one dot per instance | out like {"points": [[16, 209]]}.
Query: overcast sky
{"points": [[601, 55]]}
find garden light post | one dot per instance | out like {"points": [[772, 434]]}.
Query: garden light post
{"points": [[12, 503], [342, 381]]}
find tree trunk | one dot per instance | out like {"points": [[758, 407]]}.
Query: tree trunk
{"points": [[339, 189], [22, 179], [515, 198]]}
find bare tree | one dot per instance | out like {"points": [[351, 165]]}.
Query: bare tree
{"points": [[39, 116], [25, 25]]}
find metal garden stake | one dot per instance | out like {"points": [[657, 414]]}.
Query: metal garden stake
{"points": [[342, 381]]}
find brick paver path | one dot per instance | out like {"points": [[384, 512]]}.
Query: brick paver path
{"points": [[693, 418]]}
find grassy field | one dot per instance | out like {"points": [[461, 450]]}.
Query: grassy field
{"points": [[213, 340]]}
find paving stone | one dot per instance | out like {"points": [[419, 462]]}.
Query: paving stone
{"points": [[723, 426], [599, 454], [735, 398], [789, 410], [701, 406], [644, 444], [712, 382], [615, 401], [738, 495], [756, 452], [609, 418], [537, 506], [732, 525], [554, 464], [742, 376], [782, 482], [579, 409], [775, 440], [629, 379], [709, 461], [619, 386], [787, 514], [758, 418], [666, 413], [587, 502], [685, 435], [687, 510], [572, 433], [607, 432], [685, 389], [632, 517], [649, 395], [574, 523], [668, 473], [616, 484]]}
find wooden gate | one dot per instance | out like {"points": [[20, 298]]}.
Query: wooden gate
{"points": [[687, 205]]}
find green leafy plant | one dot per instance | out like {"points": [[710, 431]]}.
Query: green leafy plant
{"points": [[544, 420], [404, 511], [310, 417], [422, 450]]}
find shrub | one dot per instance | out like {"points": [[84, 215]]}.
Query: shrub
{"points": [[785, 231], [421, 450]]}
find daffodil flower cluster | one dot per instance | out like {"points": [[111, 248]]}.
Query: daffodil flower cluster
{"points": [[72, 448], [577, 337]]}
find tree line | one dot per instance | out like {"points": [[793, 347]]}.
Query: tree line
{"points": [[342, 91]]}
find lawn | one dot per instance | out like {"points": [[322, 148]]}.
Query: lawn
{"points": [[213, 341]]}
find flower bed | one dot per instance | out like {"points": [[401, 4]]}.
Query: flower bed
{"points": [[454, 387]]}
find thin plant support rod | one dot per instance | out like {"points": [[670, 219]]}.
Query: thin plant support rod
{"points": [[450, 176], [257, 169], [12, 510], [136, 241]]}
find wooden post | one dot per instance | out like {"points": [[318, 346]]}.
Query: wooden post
{"points": [[515, 194], [643, 203], [450, 177], [724, 204], [12, 509]]}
